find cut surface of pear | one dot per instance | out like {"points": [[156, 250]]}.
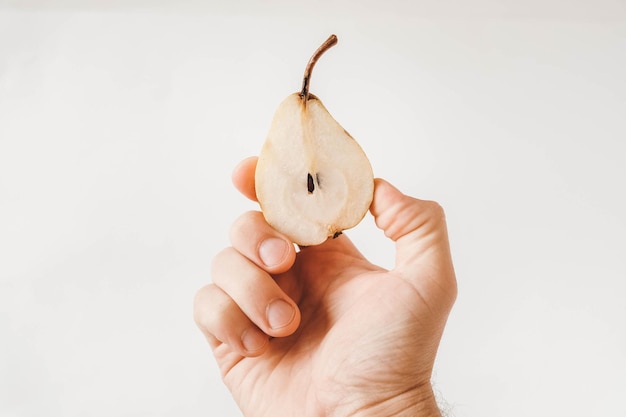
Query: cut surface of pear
{"points": [[312, 178]]}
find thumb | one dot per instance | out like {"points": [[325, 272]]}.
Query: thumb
{"points": [[419, 229]]}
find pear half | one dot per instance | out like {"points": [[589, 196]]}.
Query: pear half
{"points": [[312, 179]]}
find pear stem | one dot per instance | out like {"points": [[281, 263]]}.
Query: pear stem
{"points": [[330, 42]]}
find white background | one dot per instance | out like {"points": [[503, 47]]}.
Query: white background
{"points": [[120, 123]]}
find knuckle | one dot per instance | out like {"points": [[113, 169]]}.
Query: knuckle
{"points": [[429, 212], [210, 306], [435, 211], [222, 258], [244, 224], [200, 304]]}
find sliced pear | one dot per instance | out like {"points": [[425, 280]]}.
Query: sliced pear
{"points": [[312, 179]]}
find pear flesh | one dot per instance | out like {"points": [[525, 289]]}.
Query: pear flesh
{"points": [[312, 179]]}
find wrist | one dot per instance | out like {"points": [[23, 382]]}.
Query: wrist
{"points": [[419, 402]]}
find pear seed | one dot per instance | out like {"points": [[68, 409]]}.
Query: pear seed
{"points": [[309, 183]]}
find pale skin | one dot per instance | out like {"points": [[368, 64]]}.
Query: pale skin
{"points": [[322, 331]]}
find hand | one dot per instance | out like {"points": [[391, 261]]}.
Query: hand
{"points": [[322, 331]]}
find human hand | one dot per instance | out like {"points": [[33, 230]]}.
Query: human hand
{"points": [[322, 331]]}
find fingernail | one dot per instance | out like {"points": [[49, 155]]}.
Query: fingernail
{"points": [[279, 314], [273, 251], [253, 340]]}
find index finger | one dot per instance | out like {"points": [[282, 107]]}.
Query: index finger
{"points": [[243, 177]]}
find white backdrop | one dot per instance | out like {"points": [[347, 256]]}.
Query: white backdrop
{"points": [[120, 123]]}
